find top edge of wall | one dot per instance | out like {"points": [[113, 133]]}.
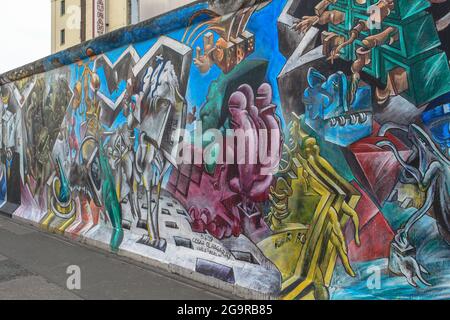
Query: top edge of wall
{"points": [[165, 23]]}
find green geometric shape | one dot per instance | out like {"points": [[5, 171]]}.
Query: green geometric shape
{"points": [[428, 75], [407, 8], [363, 7], [111, 201], [417, 35], [344, 3], [356, 17]]}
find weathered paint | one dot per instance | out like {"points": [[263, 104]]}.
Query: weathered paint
{"points": [[342, 191]]}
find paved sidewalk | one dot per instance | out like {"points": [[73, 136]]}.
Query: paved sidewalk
{"points": [[33, 265]]}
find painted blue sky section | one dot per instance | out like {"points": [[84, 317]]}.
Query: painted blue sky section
{"points": [[263, 25]]}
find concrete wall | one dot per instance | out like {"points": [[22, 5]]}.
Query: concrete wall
{"points": [[124, 143]]}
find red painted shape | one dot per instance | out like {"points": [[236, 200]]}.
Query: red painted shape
{"points": [[375, 233], [376, 237], [379, 168]]}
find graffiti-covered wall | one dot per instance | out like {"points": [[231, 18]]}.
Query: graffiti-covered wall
{"points": [[296, 149]]}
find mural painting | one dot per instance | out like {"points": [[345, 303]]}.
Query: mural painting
{"points": [[299, 149]]}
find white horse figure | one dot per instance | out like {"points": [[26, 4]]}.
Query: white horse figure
{"points": [[161, 113]]}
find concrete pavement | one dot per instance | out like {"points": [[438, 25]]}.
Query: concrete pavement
{"points": [[33, 265]]}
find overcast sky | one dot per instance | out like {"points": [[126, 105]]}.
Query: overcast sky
{"points": [[25, 28], [25, 32]]}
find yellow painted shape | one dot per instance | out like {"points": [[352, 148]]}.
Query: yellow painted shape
{"points": [[47, 220], [284, 249], [315, 260]]}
